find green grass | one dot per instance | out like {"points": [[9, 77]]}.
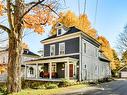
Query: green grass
{"points": [[50, 91]]}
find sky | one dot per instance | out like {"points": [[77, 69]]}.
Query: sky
{"points": [[110, 20]]}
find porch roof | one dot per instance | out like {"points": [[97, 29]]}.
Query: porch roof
{"points": [[48, 60]]}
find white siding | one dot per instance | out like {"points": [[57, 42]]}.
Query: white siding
{"points": [[95, 69]]}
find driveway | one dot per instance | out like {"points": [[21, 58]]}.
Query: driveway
{"points": [[117, 87]]}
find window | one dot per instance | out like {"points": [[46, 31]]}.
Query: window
{"points": [[52, 50], [53, 67], [31, 70], [59, 32], [61, 48], [84, 47]]}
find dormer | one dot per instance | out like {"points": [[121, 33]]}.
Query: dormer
{"points": [[60, 28]]}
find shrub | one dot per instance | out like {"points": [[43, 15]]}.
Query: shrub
{"points": [[51, 86], [3, 88], [65, 83]]}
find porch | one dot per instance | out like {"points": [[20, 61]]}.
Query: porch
{"points": [[53, 69]]}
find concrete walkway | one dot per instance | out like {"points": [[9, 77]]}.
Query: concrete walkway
{"points": [[81, 91]]}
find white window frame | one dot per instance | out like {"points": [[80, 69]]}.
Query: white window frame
{"points": [[58, 33], [53, 45], [63, 43]]}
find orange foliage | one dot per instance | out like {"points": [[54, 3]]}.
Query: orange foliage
{"points": [[1, 8], [25, 46], [38, 18], [69, 19], [3, 68], [108, 51]]}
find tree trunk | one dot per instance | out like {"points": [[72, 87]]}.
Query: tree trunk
{"points": [[14, 63], [15, 49]]}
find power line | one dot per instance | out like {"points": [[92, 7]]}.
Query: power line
{"points": [[95, 17], [79, 6], [84, 7]]}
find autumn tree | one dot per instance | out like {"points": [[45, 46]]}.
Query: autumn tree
{"points": [[116, 60], [69, 19], [109, 53], [22, 14]]}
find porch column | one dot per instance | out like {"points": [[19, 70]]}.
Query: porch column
{"points": [[36, 70], [67, 70], [50, 70], [25, 72]]}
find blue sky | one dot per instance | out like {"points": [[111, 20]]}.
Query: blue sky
{"points": [[111, 18]]}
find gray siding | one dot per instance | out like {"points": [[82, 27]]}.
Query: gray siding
{"points": [[71, 46]]}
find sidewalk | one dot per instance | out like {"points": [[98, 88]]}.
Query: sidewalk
{"points": [[80, 91]]}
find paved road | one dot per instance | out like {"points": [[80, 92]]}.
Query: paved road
{"points": [[117, 87]]}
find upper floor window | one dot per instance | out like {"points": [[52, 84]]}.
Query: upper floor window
{"points": [[61, 48], [59, 32], [84, 47], [52, 50]]}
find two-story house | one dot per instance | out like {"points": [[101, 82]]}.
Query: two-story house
{"points": [[27, 55], [70, 54]]}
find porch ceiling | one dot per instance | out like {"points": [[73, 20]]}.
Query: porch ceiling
{"points": [[42, 61]]}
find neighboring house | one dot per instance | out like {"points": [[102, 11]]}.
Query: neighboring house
{"points": [[123, 72], [27, 55], [70, 54]]}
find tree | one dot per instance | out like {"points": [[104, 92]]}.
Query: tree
{"points": [[22, 14], [122, 40], [124, 57], [109, 53], [116, 60], [69, 19]]}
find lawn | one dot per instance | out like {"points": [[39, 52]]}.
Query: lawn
{"points": [[51, 91]]}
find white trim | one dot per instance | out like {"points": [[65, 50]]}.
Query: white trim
{"points": [[58, 31], [80, 58], [69, 36], [62, 55], [62, 43], [50, 70], [52, 60], [53, 45]]}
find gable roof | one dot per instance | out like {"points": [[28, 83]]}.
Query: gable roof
{"points": [[102, 57], [29, 53], [71, 30], [26, 52]]}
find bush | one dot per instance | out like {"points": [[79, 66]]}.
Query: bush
{"points": [[65, 83], [38, 85], [33, 84], [3, 88], [51, 86]]}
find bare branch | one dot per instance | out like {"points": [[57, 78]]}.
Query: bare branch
{"points": [[5, 28], [36, 3]]}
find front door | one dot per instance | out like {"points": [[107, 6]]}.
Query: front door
{"points": [[71, 71]]}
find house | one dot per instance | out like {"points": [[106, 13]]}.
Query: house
{"points": [[122, 72], [70, 54], [27, 55]]}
